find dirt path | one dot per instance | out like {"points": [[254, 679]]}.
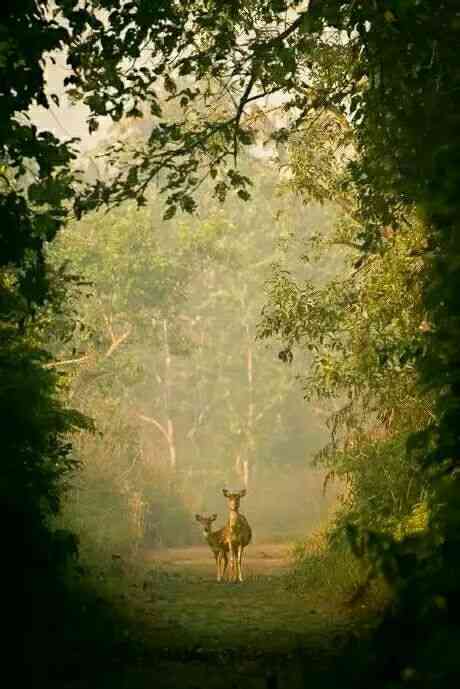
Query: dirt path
{"points": [[255, 635], [259, 613]]}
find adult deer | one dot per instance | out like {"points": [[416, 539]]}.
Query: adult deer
{"points": [[217, 541], [237, 532]]}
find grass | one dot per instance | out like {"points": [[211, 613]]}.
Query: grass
{"points": [[335, 573], [162, 620]]}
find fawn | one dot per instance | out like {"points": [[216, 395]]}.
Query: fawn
{"points": [[237, 532], [217, 541]]}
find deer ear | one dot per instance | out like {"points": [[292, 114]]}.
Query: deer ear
{"points": [[243, 493], [214, 517], [225, 492], [197, 517]]}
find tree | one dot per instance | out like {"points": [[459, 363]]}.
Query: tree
{"points": [[362, 322], [35, 188]]}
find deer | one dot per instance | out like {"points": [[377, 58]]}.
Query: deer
{"points": [[217, 541], [237, 532]]}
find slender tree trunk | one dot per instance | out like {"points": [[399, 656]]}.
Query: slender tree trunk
{"points": [[167, 401], [251, 409], [167, 430], [166, 433], [172, 445]]}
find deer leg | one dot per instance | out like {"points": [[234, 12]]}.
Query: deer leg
{"points": [[232, 565], [217, 557], [239, 562], [234, 561], [224, 563]]}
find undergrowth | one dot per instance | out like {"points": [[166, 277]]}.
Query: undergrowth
{"points": [[330, 567]]}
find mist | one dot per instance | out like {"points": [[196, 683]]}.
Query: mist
{"points": [[166, 358]]}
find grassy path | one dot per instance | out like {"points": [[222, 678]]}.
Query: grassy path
{"points": [[199, 634]]}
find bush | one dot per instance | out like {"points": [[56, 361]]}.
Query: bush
{"points": [[384, 484], [330, 567]]}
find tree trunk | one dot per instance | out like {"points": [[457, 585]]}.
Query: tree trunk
{"points": [[167, 401], [251, 410]]}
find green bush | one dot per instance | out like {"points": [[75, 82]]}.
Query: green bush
{"points": [[329, 567], [383, 484]]}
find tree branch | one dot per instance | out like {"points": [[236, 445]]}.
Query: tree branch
{"points": [[157, 424], [67, 362], [117, 341]]}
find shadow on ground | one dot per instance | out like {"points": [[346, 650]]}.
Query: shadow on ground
{"points": [[183, 629]]}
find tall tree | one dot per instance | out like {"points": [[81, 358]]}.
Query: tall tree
{"points": [[35, 188]]}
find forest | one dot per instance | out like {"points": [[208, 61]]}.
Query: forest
{"points": [[230, 272]]}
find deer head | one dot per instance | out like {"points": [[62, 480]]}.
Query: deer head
{"points": [[234, 498], [206, 522]]}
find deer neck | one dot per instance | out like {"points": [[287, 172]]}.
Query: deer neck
{"points": [[233, 517], [210, 537]]}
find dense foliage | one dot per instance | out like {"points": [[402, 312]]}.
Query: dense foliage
{"points": [[390, 69], [362, 324], [35, 188]]}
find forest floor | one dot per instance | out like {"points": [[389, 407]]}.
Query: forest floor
{"points": [[192, 632]]}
